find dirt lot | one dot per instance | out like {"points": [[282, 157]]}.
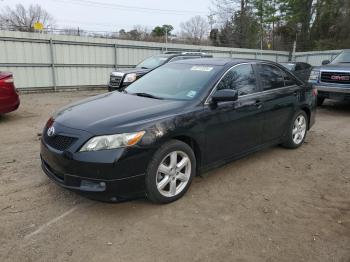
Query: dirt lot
{"points": [[275, 205]]}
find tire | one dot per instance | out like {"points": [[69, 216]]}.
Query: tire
{"points": [[297, 133], [320, 101], [164, 181]]}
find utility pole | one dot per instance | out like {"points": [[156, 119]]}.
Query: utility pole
{"points": [[261, 24], [166, 39], [294, 48], [211, 21], [299, 25]]}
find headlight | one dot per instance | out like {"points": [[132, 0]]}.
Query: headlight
{"points": [[314, 75], [129, 78], [112, 141]]}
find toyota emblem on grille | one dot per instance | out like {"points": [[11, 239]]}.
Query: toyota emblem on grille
{"points": [[51, 131]]}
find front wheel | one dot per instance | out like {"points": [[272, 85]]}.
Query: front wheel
{"points": [[170, 172], [297, 131]]}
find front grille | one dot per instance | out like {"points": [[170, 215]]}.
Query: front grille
{"points": [[335, 77], [60, 142], [116, 81]]}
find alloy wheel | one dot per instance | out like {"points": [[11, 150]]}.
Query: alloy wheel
{"points": [[299, 129], [173, 173]]}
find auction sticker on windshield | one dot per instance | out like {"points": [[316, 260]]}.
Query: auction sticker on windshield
{"points": [[191, 94], [201, 68]]}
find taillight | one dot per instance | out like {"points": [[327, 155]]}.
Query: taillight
{"points": [[9, 80], [314, 91]]}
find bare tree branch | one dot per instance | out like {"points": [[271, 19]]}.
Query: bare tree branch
{"points": [[22, 19], [195, 29]]}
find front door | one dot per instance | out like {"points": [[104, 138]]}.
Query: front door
{"points": [[233, 128]]}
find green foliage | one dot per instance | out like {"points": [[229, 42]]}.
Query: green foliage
{"points": [[315, 24], [160, 31], [241, 31]]}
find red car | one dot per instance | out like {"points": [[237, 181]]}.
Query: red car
{"points": [[9, 99]]}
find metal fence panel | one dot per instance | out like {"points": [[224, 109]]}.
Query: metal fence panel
{"points": [[316, 58], [59, 61], [33, 77], [82, 76]]}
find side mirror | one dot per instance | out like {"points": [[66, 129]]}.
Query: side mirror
{"points": [[325, 62], [225, 95]]}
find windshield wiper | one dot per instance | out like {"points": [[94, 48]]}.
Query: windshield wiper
{"points": [[148, 95]]}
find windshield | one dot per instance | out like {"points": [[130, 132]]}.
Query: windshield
{"points": [[174, 81], [289, 66], [152, 62], [343, 57]]}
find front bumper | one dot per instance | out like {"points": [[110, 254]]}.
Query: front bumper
{"points": [[333, 92], [113, 88], [117, 88], [331, 89], [99, 189], [113, 175]]}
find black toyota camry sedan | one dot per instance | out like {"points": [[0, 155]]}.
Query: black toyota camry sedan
{"points": [[177, 121]]}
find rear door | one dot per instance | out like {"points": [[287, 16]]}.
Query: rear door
{"points": [[279, 99]]}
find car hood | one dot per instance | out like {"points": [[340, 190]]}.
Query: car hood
{"points": [[116, 112], [334, 67]]}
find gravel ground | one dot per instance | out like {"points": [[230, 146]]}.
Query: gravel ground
{"points": [[275, 205]]}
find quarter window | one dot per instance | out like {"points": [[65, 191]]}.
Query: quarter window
{"points": [[306, 66], [271, 77], [299, 67], [240, 78]]}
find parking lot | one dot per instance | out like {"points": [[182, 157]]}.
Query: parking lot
{"points": [[275, 205]]}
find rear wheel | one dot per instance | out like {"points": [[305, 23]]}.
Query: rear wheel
{"points": [[297, 131], [320, 101], [170, 172]]}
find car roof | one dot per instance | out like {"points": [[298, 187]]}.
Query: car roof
{"points": [[173, 54], [165, 55], [292, 63], [220, 61]]}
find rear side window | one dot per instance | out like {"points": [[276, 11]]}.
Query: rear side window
{"points": [[271, 77], [240, 78]]}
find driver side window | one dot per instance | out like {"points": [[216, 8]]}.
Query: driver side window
{"points": [[240, 78]]}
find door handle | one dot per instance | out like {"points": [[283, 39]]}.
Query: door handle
{"points": [[258, 104]]}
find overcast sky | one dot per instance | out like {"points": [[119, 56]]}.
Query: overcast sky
{"points": [[110, 15]]}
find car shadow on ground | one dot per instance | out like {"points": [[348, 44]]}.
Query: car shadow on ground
{"points": [[15, 117], [336, 106]]}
